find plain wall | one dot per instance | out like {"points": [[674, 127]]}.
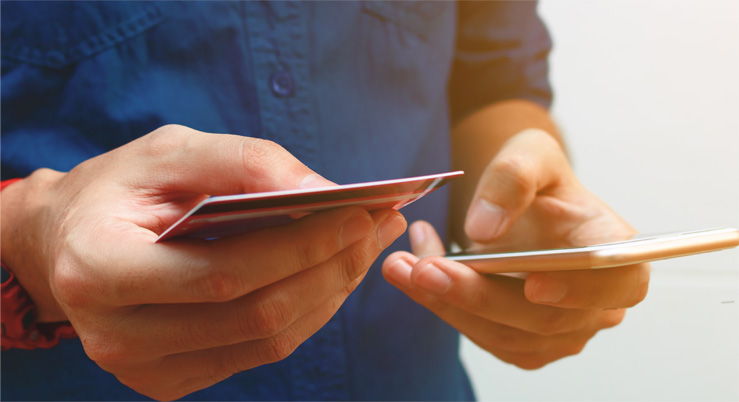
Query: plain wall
{"points": [[647, 94]]}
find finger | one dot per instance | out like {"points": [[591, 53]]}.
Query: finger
{"points": [[529, 162], [183, 159], [221, 270], [497, 338], [599, 288], [514, 345], [261, 314], [196, 370], [556, 347], [498, 299], [537, 360], [424, 240]]}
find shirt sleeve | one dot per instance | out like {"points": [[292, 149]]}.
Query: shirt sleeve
{"points": [[501, 53]]}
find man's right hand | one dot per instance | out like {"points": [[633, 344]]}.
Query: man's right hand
{"points": [[171, 318]]}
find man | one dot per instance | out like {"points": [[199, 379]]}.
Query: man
{"points": [[350, 92]]}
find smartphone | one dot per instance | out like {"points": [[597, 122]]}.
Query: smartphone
{"points": [[607, 255]]}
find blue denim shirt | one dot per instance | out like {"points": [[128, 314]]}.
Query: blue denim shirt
{"points": [[356, 90]]}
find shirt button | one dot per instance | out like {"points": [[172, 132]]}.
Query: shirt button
{"points": [[282, 84]]}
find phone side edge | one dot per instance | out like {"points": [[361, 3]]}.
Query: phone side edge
{"points": [[577, 259], [636, 254]]}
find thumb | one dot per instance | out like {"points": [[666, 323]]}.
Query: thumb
{"points": [[425, 242], [530, 162], [192, 161]]}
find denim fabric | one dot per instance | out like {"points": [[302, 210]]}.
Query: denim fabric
{"points": [[356, 90]]}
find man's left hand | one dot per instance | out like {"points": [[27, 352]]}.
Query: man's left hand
{"points": [[527, 198]]}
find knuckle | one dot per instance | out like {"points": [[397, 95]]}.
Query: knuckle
{"points": [[224, 365], [348, 289], [553, 322], [573, 349], [611, 318], [106, 351], [477, 301], [160, 383], [640, 292], [334, 304], [164, 140], [44, 175], [171, 127], [219, 286], [70, 287], [266, 319], [309, 253], [504, 340], [134, 382], [152, 390], [530, 362], [257, 150], [160, 395], [192, 333], [511, 341], [353, 263], [268, 146], [172, 130], [518, 171], [351, 260], [187, 385], [278, 348], [329, 243]]}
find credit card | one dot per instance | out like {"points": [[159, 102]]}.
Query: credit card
{"points": [[227, 215]]}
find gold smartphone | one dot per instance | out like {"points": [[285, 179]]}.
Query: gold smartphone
{"points": [[607, 255]]}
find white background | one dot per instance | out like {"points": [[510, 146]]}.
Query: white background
{"points": [[647, 94]]}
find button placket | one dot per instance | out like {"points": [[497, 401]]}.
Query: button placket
{"points": [[280, 49], [279, 44]]}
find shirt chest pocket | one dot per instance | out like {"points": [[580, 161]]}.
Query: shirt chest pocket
{"points": [[58, 34], [421, 18]]}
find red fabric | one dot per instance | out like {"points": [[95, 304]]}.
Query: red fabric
{"points": [[6, 183], [19, 328]]}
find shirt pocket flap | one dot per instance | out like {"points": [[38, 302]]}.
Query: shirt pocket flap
{"points": [[415, 16], [56, 35]]}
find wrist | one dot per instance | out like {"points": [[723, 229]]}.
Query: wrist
{"points": [[24, 242]]}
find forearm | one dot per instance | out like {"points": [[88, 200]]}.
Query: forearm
{"points": [[477, 139]]}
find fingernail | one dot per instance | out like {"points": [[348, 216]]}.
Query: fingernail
{"points": [[389, 230], [485, 220], [400, 272], [417, 235], [314, 180], [433, 279], [354, 229], [548, 290]]}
